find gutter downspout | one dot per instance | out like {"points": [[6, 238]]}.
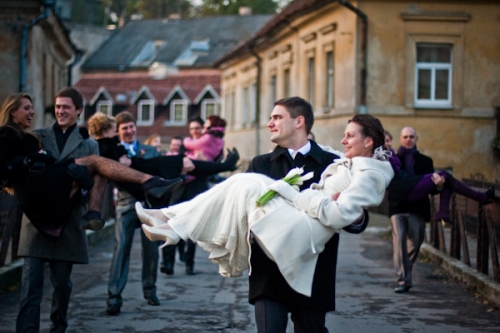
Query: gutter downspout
{"points": [[24, 43], [364, 37], [78, 57], [257, 100]]}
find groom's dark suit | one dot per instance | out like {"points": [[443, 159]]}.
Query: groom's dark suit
{"points": [[266, 280]]}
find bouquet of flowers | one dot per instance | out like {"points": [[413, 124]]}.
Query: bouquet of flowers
{"points": [[293, 178]]}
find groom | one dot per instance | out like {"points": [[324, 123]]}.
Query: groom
{"points": [[291, 121]]}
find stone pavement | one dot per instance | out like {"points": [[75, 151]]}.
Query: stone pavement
{"points": [[207, 302]]}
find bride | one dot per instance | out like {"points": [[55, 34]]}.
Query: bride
{"points": [[221, 219]]}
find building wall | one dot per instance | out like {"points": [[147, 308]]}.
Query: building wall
{"points": [[456, 136], [48, 52], [453, 136]]}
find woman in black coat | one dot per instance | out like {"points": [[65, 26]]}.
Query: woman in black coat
{"points": [[103, 129]]}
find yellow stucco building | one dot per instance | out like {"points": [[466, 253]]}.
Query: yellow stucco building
{"points": [[433, 65]]}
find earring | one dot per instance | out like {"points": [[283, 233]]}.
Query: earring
{"points": [[366, 146]]}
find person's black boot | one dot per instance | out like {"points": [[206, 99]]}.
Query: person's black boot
{"points": [[92, 220], [158, 186]]}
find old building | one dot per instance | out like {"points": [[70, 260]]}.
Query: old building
{"points": [[35, 53], [162, 70], [433, 65]]}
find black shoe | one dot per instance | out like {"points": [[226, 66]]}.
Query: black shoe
{"points": [[401, 289], [152, 299], [157, 186], [167, 269], [92, 220], [490, 193], [190, 270], [113, 310]]}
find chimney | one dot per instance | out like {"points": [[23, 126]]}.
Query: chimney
{"points": [[245, 11]]}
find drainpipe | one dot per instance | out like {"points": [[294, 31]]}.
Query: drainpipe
{"points": [[78, 57], [257, 100], [47, 5], [364, 37]]}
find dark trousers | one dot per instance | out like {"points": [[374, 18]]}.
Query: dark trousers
{"points": [[28, 319], [272, 317], [186, 255], [125, 226]]}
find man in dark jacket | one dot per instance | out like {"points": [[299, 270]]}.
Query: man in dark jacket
{"points": [[62, 140], [291, 121], [408, 219]]}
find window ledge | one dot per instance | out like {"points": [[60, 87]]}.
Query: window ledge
{"points": [[433, 107], [437, 16], [172, 124]]}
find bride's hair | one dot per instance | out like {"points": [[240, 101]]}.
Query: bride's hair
{"points": [[371, 127]]}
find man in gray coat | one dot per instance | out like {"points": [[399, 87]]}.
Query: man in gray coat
{"points": [[62, 140]]}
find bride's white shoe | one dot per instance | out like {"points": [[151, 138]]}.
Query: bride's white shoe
{"points": [[145, 217], [169, 236]]}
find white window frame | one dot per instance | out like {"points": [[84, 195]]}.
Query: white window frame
{"points": [[172, 120], [432, 102], [100, 104], [204, 107], [140, 121]]}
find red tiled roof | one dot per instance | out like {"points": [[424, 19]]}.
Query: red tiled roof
{"points": [[192, 83]]}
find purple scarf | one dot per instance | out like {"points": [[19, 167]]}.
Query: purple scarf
{"points": [[409, 158]]}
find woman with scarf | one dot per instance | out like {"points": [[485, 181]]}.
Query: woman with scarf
{"points": [[406, 186]]}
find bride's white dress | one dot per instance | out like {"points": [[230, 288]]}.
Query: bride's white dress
{"points": [[291, 234]]}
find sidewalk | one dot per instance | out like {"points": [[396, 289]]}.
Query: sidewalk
{"points": [[208, 302], [10, 275]]}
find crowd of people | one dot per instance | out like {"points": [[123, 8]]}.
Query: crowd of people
{"points": [[289, 244]]}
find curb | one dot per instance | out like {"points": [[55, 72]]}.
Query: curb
{"points": [[10, 275], [484, 284]]}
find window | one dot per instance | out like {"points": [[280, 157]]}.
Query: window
{"points": [[329, 79], [145, 112], [233, 108], [105, 107], [227, 109], [178, 112], [286, 83], [433, 75], [253, 103], [272, 93], [245, 107], [209, 107], [310, 83]]}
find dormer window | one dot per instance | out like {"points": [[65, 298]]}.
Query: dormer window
{"points": [[145, 112], [178, 112], [148, 53], [209, 107], [105, 107]]}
